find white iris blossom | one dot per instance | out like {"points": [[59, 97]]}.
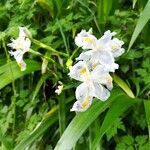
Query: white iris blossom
{"points": [[85, 39], [94, 79], [93, 67], [21, 45], [103, 51]]}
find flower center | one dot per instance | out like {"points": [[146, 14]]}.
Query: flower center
{"points": [[114, 47], [88, 40], [83, 71], [85, 102]]}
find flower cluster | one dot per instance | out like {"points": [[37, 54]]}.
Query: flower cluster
{"points": [[93, 67], [21, 45]]}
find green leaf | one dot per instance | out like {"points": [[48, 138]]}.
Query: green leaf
{"points": [[123, 85], [118, 107], [81, 122], [114, 128], [144, 18], [11, 71]]}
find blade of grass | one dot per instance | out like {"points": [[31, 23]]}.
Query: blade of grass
{"points": [[144, 18], [63, 36]]}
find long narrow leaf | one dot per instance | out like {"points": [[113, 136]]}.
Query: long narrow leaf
{"points": [[144, 17], [81, 122], [9, 75]]}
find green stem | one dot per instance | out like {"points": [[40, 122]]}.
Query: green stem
{"points": [[40, 44], [13, 86], [74, 52], [63, 36], [62, 117], [39, 54]]}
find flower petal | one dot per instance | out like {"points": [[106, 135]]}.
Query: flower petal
{"points": [[100, 92], [84, 97], [79, 71], [85, 39], [86, 56], [18, 55], [115, 46], [77, 106], [101, 76]]}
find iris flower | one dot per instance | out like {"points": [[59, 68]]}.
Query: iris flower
{"points": [[93, 67], [101, 51], [96, 83], [21, 45]]}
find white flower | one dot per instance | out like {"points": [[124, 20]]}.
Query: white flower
{"points": [[101, 57], [94, 66], [94, 78], [101, 52], [85, 93], [85, 39], [59, 88], [104, 40], [116, 47], [18, 55], [80, 71], [84, 98], [21, 45]]}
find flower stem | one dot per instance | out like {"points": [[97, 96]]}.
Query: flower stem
{"points": [[39, 54], [74, 52], [48, 48]]}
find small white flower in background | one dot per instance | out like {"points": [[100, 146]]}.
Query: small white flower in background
{"points": [[21, 45], [59, 88], [93, 67]]}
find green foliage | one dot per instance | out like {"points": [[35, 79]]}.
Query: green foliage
{"points": [[112, 131], [130, 143], [33, 117]]}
